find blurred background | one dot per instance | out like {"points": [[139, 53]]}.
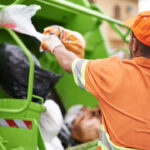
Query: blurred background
{"points": [[121, 10]]}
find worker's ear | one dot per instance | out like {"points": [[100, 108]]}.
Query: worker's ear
{"points": [[134, 45]]}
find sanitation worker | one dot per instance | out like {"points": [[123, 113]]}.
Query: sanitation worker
{"points": [[121, 86]]}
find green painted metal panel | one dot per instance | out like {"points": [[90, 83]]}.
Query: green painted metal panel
{"points": [[18, 137], [92, 145]]}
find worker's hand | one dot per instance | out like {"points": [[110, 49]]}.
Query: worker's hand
{"points": [[56, 35], [50, 42]]}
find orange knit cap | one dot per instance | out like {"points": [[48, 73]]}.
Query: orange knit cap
{"points": [[140, 26]]}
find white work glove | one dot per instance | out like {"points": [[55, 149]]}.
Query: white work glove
{"points": [[50, 42]]}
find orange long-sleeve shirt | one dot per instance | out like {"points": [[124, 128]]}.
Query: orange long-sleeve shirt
{"points": [[123, 90]]}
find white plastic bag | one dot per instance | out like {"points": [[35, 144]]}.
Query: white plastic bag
{"points": [[71, 114], [18, 18], [55, 144], [51, 121]]}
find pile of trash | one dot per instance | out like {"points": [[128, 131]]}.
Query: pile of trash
{"points": [[78, 120], [58, 132]]}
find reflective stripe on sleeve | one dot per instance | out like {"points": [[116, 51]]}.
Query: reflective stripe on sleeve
{"points": [[78, 69], [106, 144], [102, 146]]}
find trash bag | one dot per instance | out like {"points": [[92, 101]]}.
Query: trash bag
{"points": [[86, 126], [18, 18], [65, 133], [71, 114], [55, 144], [51, 121], [65, 136], [73, 41], [14, 74]]}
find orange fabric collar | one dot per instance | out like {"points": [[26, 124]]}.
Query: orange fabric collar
{"points": [[142, 61]]}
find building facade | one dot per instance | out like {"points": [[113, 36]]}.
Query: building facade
{"points": [[118, 9]]}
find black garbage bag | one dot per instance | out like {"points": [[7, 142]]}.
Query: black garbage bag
{"points": [[14, 72], [65, 135]]}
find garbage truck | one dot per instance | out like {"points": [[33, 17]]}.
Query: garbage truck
{"points": [[79, 15]]}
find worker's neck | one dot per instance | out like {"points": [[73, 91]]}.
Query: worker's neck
{"points": [[147, 56]]}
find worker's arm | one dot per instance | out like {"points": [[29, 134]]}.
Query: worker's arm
{"points": [[69, 61], [68, 48], [64, 57], [65, 44]]}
